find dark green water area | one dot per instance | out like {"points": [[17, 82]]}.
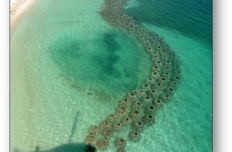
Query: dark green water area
{"points": [[190, 17], [114, 67]]}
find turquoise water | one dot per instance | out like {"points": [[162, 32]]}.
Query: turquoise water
{"points": [[69, 69]]}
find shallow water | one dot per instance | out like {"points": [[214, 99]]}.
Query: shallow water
{"points": [[69, 69]]}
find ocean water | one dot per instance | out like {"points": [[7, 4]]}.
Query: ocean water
{"points": [[69, 68]]}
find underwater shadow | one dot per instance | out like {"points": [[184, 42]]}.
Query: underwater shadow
{"points": [[74, 127], [80, 147], [70, 147]]}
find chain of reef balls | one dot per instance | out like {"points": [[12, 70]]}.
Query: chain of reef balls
{"points": [[137, 109]]}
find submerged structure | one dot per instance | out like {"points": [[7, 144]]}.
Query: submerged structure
{"points": [[136, 111]]}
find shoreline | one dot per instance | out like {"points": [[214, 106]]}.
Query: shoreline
{"points": [[18, 8]]}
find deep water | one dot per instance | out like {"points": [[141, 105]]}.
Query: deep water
{"points": [[69, 68], [192, 18]]}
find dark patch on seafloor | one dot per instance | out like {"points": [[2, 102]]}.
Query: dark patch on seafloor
{"points": [[67, 52], [110, 58]]}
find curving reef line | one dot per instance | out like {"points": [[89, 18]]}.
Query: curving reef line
{"points": [[137, 110]]}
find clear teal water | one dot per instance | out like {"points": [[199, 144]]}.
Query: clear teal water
{"points": [[190, 18], [69, 68]]}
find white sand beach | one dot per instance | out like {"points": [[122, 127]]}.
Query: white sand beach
{"points": [[18, 7]]}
